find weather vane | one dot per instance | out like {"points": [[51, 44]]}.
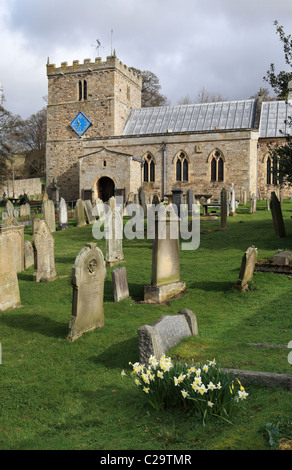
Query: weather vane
{"points": [[98, 45]]}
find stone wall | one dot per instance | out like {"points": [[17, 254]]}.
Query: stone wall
{"points": [[31, 186]]}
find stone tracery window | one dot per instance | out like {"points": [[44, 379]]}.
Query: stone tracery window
{"points": [[217, 166], [149, 169], [182, 168]]}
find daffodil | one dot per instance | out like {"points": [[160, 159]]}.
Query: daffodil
{"points": [[184, 394], [219, 386], [123, 373], [205, 368], [160, 374], [137, 382], [202, 389], [242, 394], [146, 389], [210, 404], [211, 386]]}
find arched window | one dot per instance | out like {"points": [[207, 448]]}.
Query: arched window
{"points": [[149, 169], [269, 170], [275, 170], [182, 168], [217, 166], [82, 90]]}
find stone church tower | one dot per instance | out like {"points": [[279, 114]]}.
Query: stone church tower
{"points": [[88, 100]]}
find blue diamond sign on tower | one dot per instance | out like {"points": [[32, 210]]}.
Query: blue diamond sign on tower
{"points": [[80, 124]]}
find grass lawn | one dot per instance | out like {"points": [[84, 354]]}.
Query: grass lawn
{"points": [[59, 395]]}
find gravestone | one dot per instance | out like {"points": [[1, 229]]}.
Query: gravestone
{"points": [[283, 258], [142, 202], [247, 268], [28, 254], [44, 253], [88, 274], [9, 290], [253, 204], [155, 200], [120, 284], [49, 214], [63, 215], [277, 216], [223, 209], [114, 238], [232, 200], [89, 212], [4, 216], [165, 282], [24, 212], [156, 339], [268, 202], [80, 213], [190, 201], [9, 208], [11, 228], [177, 199], [244, 197]]}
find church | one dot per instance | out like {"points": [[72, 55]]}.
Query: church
{"points": [[100, 142]]}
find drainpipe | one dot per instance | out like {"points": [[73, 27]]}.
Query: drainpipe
{"points": [[164, 170]]}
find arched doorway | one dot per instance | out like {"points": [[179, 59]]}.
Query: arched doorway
{"points": [[105, 188]]}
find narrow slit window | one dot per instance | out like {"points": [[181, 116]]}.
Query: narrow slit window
{"points": [[220, 169], [269, 168], [213, 169]]}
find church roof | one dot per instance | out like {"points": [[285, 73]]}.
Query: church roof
{"points": [[274, 115], [191, 118]]}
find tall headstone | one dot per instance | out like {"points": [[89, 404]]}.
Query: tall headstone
{"points": [[268, 202], [80, 213], [88, 274], [120, 284], [9, 208], [232, 200], [253, 204], [14, 230], [9, 290], [247, 268], [223, 209], [142, 201], [190, 201], [277, 216], [166, 282], [28, 254], [49, 214], [114, 238], [63, 215], [44, 253]]}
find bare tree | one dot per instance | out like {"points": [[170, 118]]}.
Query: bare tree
{"points": [[10, 128], [33, 138]]}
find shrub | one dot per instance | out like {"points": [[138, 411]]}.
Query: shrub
{"points": [[205, 390]]}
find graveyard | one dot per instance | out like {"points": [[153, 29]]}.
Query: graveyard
{"points": [[61, 383]]}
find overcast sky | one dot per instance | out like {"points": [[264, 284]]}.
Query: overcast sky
{"points": [[225, 46]]}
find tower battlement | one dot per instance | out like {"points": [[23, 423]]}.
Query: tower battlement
{"points": [[88, 66]]}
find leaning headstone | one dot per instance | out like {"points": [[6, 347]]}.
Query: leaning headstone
{"points": [[9, 290], [277, 216], [63, 215], [49, 214], [88, 274], [44, 253], [120, 284], [247, 268], [28, 254], [80, 213], [89, 211], [165, 282], [223, 209], [156, 339], [11, 228], [114, 238]]}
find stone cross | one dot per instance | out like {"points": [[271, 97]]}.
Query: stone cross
{"points": [[88, 274], [44, 253], [9, 290], [247, 268]]}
